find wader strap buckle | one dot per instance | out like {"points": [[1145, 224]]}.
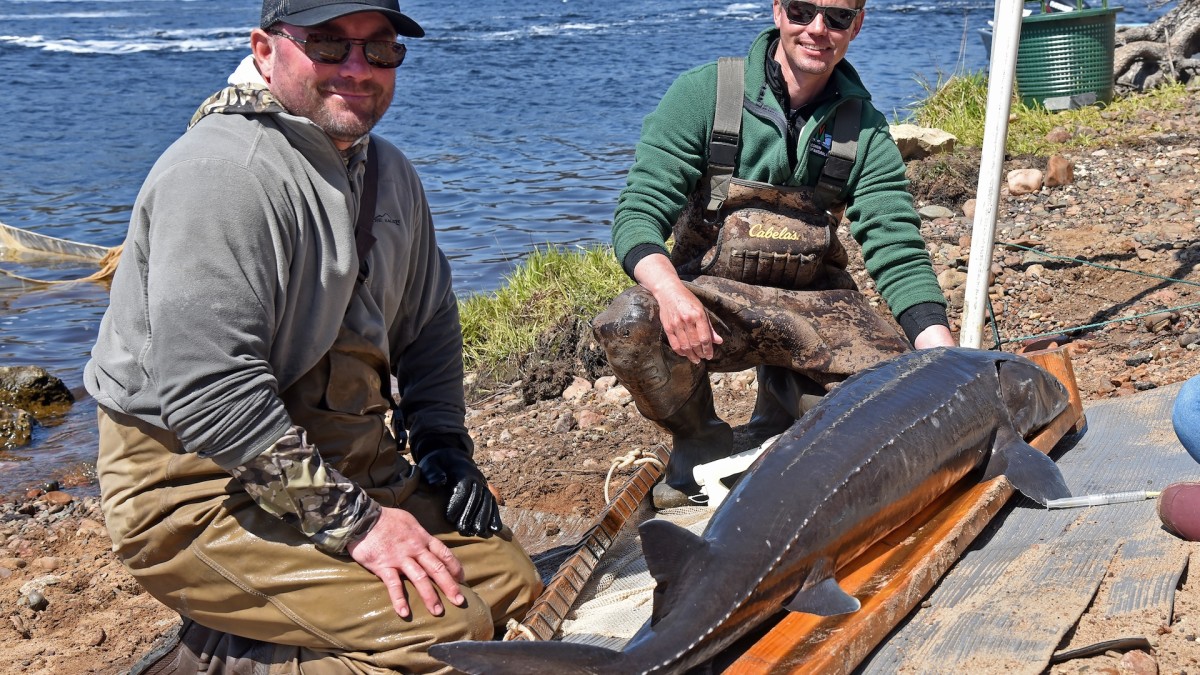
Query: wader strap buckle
{"points": [[726, 133], [842, 153]]}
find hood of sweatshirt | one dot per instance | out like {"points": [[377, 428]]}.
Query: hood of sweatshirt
{"points": [[247, 94]]}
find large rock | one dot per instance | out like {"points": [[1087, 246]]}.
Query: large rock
{"points": [[920, 142], [16, 427], [1024, 181], [934, 211], [34, 390], [951, 279], [1059, 171]]}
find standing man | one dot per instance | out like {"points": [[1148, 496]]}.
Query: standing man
{"points": [[280, 269], [750, 172]]}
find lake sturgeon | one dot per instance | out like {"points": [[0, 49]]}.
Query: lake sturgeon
{"points": [[883, 445]]}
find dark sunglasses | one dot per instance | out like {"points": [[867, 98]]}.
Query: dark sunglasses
{"points": [[331, 50], [802, 13]]}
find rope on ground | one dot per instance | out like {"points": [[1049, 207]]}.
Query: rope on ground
{"points": [[1077, 329], [629, 459], [516, 629], [1099, 266]]}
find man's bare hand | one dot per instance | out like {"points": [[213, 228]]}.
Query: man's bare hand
{"points": [[398, 548], [683, 317], [934, 336], [685, 322]]}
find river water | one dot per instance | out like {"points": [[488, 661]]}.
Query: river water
{"points": [[520, 115]]}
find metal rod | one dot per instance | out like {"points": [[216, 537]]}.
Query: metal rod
{"points": [[1001, 73], [1101, 500]]}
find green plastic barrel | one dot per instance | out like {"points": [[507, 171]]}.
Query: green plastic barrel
{"points": [[1065, 59]]}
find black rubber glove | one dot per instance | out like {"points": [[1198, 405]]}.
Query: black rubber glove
{"points": [[472, 509]]}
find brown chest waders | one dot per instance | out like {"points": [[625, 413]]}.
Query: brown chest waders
{"points": [[255, 594], [766, 263]]}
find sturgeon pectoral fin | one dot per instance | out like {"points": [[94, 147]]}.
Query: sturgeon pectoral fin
{"points": [[823, 599], [667, 547], [1030, 471]]}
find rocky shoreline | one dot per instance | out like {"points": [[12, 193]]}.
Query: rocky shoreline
{"points": [[68, 605], [1106, 263]]}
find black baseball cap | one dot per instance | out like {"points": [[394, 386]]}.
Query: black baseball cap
{"points": [[312, 12]]}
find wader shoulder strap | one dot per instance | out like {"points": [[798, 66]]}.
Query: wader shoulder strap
{"points": [[364, 239], [727, 130], [847, 123]]}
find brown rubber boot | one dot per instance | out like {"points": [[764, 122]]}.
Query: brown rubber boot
{"points": [[783, 396], [195, 649], [1179, 509], [164, 656], [698, 436], [771, 415]]}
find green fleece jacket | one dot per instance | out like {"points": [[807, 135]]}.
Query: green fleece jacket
{"points": [[672, 154]]}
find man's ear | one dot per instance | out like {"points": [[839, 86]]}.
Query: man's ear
{"points": [[263, 50], [858, 22]]}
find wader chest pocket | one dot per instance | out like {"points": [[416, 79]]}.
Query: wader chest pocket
{"points": [[354, 386], [765, 248]]}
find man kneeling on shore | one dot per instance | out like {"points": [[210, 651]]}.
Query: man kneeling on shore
{"points": [[280, 270], [750, 164]]}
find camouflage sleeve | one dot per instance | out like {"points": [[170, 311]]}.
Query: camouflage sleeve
{"points": [[291, 481]]}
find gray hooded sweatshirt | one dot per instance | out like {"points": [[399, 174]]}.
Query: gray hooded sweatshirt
{"points": [[239, 268]]}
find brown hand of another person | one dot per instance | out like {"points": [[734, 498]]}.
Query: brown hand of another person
{"points": [[398, 548]]}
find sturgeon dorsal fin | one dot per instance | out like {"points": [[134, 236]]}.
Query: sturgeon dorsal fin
{"points": [[1026, 467], [666, 548], [820, 593]]}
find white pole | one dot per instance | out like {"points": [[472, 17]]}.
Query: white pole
{"points": [[1002, 70]]}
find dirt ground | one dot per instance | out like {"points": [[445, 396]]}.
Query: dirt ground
{"points": [[1106, 263]]}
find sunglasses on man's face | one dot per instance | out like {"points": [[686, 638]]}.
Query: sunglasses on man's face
{"points": [[802, 13], [330, 49]]}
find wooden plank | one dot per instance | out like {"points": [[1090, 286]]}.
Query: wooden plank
{"points": [[890, 578]]}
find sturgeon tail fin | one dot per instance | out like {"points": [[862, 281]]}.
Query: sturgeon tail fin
{"points": [[528, 658]]}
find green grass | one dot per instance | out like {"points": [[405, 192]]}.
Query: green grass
{"points": [[550, 285], [958, 105]]}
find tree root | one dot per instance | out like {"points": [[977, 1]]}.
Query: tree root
{"points": [[1162, 52]]}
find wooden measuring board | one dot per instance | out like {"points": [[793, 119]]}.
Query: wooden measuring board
{"points": [[550, 609], [892, 577]]}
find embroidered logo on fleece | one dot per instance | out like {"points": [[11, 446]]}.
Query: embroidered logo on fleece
{"points": [[821, 143]]}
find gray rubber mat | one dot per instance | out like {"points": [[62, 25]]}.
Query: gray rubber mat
{"points": [[1027, 579]]}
